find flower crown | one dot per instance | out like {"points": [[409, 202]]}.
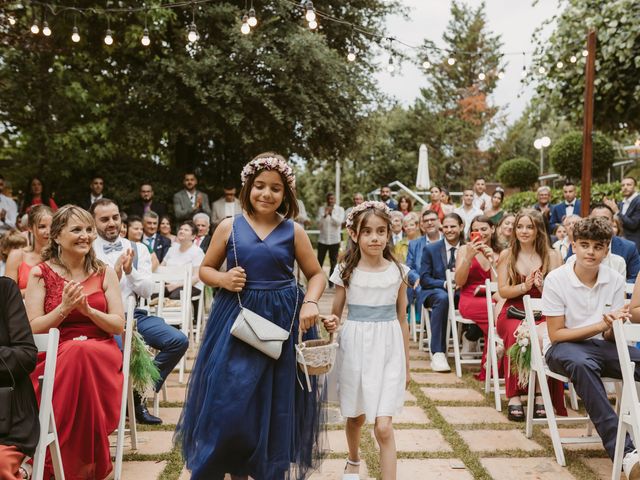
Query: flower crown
{"points": [[269, 163], [357, 210]]}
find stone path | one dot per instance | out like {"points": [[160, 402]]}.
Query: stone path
{"points": [[448, 430]]}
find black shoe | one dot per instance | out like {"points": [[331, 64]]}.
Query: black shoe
{"points": [[145, 418]]}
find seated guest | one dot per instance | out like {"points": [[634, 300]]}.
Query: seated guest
{"points": [[563, 245], [618, 229], [494, 211], [504, 231], [396, 228], [405, 205], [581, 301], [12, 240], [75, 292], [628, 210], [96, 189], [436, 259], [124, 226], [521, 271], [156, 243], [203, 231], [182, 252], [411, 232], [190, 200], [476, 263], [165, 228], [21, 261], [147, 203], [226, 206], [135, 230], [569, 206], [36, 194], [18, 355], [8, 209], [133, 264]]}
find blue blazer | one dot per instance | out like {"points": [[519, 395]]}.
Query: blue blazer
{"points": [[559, 211], [433, 266], [626, 250], [631, 221], [414, 260], [161, 246]]}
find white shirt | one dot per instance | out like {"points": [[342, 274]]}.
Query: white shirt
{"points": [[564, 294], [302, 213], [396, 237], [149, 242], [174, 257], [137, 282], [467, 216], [9, 206], [478, 199], [627, 201], [95, 199], [229, 209], [440, 237], [330, 226], [570, 208]]}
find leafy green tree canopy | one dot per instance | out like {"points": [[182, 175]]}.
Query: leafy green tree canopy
{"points": [[518, 173], [566, 155]]}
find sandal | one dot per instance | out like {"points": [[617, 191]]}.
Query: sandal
{"points": [[515, 413], [351, 476], [26, 470], [538, 409]]}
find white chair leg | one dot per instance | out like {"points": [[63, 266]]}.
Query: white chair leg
{"points": [[456, 348], [551, 421], [531, 395], [619, 451], [573, 396], [156, 403], [413, 321], [133, 429], [54, 448], [495, 372], [199, 318]]}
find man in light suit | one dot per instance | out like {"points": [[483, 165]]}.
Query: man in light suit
{"points": [[628, 210], [570, 206], [226, 206], [189, 201], [436, 259]]}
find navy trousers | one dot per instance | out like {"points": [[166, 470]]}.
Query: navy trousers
{"points": [[584, 363], [438, 301]]}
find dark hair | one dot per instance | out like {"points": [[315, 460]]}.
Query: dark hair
{"points": [[1, 177], [407, 199], [429, 212], [289, 206], [593, 228], [485, 219], [500, 192], [599, 206], [352, 256], [455, 217], [134, 218], [191, 225], [189, 172], [560, 225], [28, 195], [103, 202], [478, 178], [632, 179], [569, 183], [329, 194], [97, 176]]}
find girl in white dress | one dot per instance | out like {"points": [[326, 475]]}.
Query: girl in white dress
{"points": [[374, 340]]}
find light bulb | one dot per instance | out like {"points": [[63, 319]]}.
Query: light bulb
{"points": [[75, 36], [546, 141], [313, 25], [108, 38], [585, 53], [253, 21], [524, 72], [426, 64], [481, 76], [559, 65], [351, 56], [12, 20], [145, 40], [451, 61], [46, 31], [35, 29], [391, 67], [542, 70], [310, 15], [245, 28], [192, 36], [573, 59], [500, 75]]}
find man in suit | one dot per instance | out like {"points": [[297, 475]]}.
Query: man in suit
{"points": [[628, 210], [226, 206], [189, 201], [155, 242], [436, 259], [570, 206], [147, 203], [96, 187], [203, 226], [397, 233], [385, 197]]}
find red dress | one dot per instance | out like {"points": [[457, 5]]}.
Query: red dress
{"points": [[475, 307], [88, 383]]}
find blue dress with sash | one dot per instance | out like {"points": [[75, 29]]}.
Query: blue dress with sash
{"points": [[245, 413]]}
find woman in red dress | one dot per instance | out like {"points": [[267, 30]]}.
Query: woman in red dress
{"points": [[76, 293], [36, 194], [475, 264], [521, 271]]}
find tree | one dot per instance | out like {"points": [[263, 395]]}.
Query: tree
{"points": [[617, 90], [566, 155], [518, 173]]}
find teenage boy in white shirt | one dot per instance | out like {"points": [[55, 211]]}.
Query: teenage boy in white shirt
{"points": [[581, 300]]}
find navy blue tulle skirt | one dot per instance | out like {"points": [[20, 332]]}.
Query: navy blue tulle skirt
{"points": [[245, 413]]}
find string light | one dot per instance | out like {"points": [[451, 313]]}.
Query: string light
{"points": [[245, 28], [351, 55], [145, 40], [75, 36], [500, 75], [252, 21], [12, 20], [192, 36], [310, 15], [585, 53], [426, 64], [46, 31], [35, 28], [523, 74], [108, 38], [313, 24], [391, 67], [451, 61], [573, 59], [481, 76], [542, 70]]}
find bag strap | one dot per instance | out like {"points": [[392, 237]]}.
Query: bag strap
{"points": [[235, 256], [11, 374]]}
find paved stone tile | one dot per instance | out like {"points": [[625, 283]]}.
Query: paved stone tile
{"points": [[331, 469], [334, 417], [409, 397], [525, 469], [492, 440], [419, 364], [453, 394], [415, 353], [147, 470], [461, 415], [435, 378], [175, 394], [577, 432], [602, 467], [412, 414], [437, 468], [172, 380], [337, 441], [170, 416], [415, 440], [152, 443]]}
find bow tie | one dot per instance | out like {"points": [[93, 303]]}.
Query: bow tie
{"points": [[112, 247], [570, 204]]}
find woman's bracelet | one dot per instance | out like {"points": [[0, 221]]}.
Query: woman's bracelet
{"points": [[61, 314], [311, 301]]}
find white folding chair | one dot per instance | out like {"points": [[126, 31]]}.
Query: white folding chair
{"points": [[629, 414], [48, 342], [455, 319], [127, 393], [492, 376], [540, 371], [424, 331], [413, 322]]}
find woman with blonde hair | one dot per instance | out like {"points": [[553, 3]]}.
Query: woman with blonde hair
{"points": [[411, 230], [75, 292]]}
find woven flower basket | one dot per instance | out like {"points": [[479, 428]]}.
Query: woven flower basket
{"points": [[316, 357]]}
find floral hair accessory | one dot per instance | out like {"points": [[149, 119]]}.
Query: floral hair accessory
{"points": [[357, 210], [269, 163]]}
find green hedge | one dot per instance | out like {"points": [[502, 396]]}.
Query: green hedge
{"points": [[518, 173], [516, 201]]}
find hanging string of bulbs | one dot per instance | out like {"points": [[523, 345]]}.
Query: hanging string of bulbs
{"points": [[249, 21]]}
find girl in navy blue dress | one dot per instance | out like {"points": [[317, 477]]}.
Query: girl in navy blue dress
{"points": [[245, 413]]}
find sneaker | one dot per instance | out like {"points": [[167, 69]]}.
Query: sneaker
{"points": [[631, 465], [439, 362], [469, 348]]}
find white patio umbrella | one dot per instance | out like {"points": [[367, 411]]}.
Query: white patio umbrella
{"points": [[422, 181]]}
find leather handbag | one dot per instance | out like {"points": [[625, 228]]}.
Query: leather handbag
{"points": [[255, 330], [516, 313], [6, 403]]}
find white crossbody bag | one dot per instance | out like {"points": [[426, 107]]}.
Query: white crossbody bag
{"points": [[254, 329]]}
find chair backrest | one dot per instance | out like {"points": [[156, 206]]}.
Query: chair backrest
{"points": [[626, 333], [490, 289], [531, 304], [452, 305], [181, 274]]}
